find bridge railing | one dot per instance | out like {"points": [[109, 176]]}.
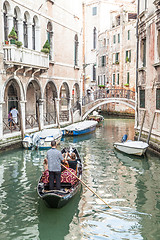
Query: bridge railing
{"points": [[108, 93]]}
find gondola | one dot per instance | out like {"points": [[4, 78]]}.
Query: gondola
{"points": [[59, 198]]}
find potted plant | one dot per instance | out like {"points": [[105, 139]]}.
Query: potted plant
{"points": [[13, 36], [18, 43], [127, 59], [46, 47], [6, 42], [101, 86], [126, 85]]}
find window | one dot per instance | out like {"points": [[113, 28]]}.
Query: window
{"points": [[132, 16], [76, 50], [158, 98], [15, 22], [142, 98], [33, 35], [94, 11], [98, 80], [145, 4], [94, 37], [94, 72], [5, 19], [117, 58], [104, 80], [103, 61], [25, 32], [113, 79], [128, 34], [127, 77], [144, 52], [118, 21], [128, 56], [118, 37], [117, 78], [49, 37], [114, 38]]}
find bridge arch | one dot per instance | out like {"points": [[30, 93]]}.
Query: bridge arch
{"points": [[130, 103]]}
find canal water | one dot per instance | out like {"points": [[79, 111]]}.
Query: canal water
{"points": [[130, 185]]}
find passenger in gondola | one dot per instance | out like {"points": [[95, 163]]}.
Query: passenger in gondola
{"points": [[45, 175], [66, 176]]}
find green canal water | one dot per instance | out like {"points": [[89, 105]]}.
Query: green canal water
{"points": [[130, 185]]}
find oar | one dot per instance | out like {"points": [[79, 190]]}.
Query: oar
{"points": [[85, 185]]}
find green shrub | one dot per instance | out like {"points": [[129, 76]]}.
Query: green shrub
{"points": [[19, 44], [46, 45], [45, 50], [13, 34]]}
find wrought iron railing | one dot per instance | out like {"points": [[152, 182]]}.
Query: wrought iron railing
{"points": [[108, 93], [49, 118], [31, 121], [10, 126]]}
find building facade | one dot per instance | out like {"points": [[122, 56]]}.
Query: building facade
{"points": [[148, 80], [116, 53], [97, 21], [44, 85]]}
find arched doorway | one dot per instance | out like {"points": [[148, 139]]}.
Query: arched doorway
{"points": [[50, 111], [33, 96], [64, 102], [11, 99], [75, 97]]}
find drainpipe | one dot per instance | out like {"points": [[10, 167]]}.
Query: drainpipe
{"points": [[137, 55]]}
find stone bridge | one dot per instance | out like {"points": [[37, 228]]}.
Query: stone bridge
{"points": [[104, 96]]}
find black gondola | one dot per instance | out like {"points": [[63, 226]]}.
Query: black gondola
{"points": [[59, 198]]}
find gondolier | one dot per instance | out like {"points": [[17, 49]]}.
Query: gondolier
{"points": [[54, 158]]}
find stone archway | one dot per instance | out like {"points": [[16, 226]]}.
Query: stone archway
{"points": [[12, 97], [50, 110], [64, 102], [33, 96]]}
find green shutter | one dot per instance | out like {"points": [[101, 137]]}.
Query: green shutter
{"points": [[142, 98], [158, 98]]}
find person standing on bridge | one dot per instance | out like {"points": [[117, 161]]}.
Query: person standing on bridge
{"points": [[107, 88]]}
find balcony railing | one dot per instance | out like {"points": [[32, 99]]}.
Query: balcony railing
{"points": [[25, 56]]}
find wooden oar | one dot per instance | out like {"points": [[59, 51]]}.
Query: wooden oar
{"points": [[85, 185]]}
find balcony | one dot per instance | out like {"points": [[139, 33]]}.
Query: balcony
{"points": [[25, 57]]}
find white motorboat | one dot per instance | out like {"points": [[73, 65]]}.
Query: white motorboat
{"points": [[42, 139], [131, 147]]}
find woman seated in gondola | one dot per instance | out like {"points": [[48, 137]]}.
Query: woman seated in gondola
{"points": [[66, 176], [45, 175]]}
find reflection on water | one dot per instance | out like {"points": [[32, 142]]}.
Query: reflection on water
{"points": [[129, 184]]}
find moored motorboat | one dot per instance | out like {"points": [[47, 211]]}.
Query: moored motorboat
{"points": [[131, 147], [96, 117], [79, 128], [42, 139], [59, 198]]}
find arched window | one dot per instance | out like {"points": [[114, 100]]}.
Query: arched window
{"points": [[76, 50], [15, 21], [5, 22], [34, 34], [49, 37], [94, 37], [25, 32]]}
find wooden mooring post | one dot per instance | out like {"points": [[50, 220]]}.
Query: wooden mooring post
{"points": [[140, 132], [150, 131]]}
